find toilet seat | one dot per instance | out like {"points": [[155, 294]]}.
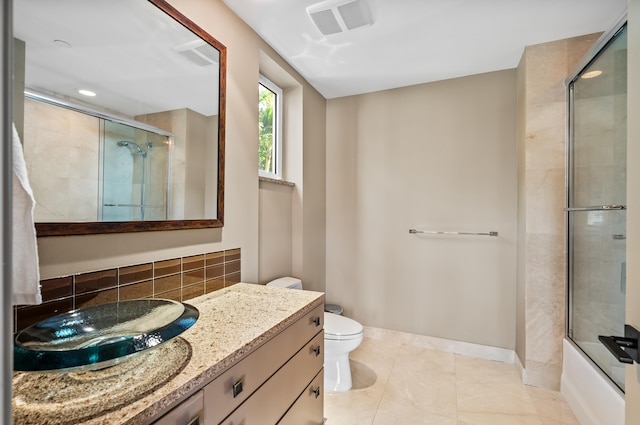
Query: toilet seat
{"points": [[340, 328]]}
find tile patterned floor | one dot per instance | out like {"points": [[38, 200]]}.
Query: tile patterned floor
{"points": [[408, 385]]}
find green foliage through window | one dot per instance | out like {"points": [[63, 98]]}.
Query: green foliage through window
{"points": [[266, 149]]}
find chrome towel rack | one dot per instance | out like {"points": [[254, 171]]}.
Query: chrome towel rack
{"points": [[414, 231], [597, 208]]}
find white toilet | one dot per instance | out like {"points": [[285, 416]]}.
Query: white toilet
{"points": [[341, 336]]}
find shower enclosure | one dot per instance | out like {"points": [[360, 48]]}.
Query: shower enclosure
{"points": [[89, 166], [596, 201], [135, 173]]}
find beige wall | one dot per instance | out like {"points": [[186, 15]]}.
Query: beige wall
{"points": [[65, 255], [439, 156], [292, 219], [314, 165], [633, 203], [280, 205], [275, 231]]}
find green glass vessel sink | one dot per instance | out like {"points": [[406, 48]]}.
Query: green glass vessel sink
{"points": [[100, 336]]}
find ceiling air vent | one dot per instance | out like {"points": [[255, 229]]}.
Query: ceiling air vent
{"points": [[334, 16], [199, 52]]}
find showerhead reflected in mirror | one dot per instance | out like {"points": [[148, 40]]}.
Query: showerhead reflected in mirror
{"points": [[134, 145], [146, 150]]}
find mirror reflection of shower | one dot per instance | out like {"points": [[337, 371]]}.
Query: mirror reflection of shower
{"points": [[137, 150], [140, 151], [135, 173]]}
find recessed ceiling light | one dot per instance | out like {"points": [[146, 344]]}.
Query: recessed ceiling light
{"points": [[86, 92], [591, 74]]}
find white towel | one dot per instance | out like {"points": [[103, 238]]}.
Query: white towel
{"points": [[26, 273]]}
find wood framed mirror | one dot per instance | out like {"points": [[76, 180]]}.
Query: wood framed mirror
{"points": [[145, 152]]}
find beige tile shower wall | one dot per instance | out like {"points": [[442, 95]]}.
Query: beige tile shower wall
{"points": [[210, 130], [197, 162], [438, 156], [174, 122], [541, 187], [520, 131], [193, 158], [61, 148]]}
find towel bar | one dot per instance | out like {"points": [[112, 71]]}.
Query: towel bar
{"points": [[414, 231]]}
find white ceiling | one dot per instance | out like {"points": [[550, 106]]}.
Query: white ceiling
{"points": [[125, 51], [419, 41]]}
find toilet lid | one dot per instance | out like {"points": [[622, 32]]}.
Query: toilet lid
{"points": [[286, 282], [340, 325]]}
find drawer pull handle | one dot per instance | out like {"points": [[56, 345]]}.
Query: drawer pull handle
{"points": [[237, 388], [316, 350], [194, 421], [316, 321], [316, 391]]}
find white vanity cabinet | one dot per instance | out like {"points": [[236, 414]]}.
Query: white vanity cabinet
{"points": [[263, 386]]}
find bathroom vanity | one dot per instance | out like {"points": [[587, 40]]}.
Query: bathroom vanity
{"points": [[255, 356]]}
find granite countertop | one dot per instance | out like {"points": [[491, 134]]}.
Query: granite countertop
{"points": [[233, 322]]}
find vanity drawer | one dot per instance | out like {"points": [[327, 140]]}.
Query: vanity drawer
{"points": [[234, 386], [309, 407], [189, 412], [274, 398]]}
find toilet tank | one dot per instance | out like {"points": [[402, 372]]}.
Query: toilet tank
{"points": [[286, 282]]}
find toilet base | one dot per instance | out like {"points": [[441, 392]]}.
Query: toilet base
{"points": [[337, 373], [337, 369]]}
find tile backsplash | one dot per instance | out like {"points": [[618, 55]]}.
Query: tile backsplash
{"points": [[178, 279]]}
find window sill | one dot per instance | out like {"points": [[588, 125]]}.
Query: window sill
{"points": [[276, 181]]}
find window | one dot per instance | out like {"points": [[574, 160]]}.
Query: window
{"points": [[270, 129]]}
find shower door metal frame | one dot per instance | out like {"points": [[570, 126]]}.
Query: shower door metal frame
{"points": [[594, 53]]}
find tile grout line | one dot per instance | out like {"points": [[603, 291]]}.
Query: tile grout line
{"points": [[386, 385], [455, 381]]}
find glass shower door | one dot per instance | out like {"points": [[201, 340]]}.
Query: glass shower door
{"points": [[135, 173], [597, 203]]}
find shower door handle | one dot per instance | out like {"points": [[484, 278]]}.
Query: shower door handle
{"points": [[625, 349]]}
